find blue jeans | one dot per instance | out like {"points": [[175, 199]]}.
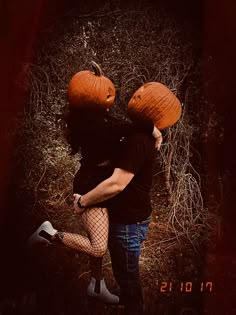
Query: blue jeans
{"points": [[125, 247]]}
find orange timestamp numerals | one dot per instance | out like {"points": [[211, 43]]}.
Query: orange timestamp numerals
{"points": [[185, 287]]}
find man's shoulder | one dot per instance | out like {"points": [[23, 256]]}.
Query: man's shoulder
{"points": [[138, 144], [140, 137]]}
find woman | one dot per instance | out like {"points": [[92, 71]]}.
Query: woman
{"points": [[98, 135]]}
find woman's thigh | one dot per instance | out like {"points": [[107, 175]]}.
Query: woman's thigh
{"points": [[96, 223]]}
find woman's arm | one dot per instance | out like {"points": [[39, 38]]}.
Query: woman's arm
{"points": [[158, 136]]}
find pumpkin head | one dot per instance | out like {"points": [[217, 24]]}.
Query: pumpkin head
{"points": [[89, 89], [154, 101]]}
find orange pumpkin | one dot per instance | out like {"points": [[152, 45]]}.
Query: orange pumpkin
{"points": [[154, 101], [89, 89]]}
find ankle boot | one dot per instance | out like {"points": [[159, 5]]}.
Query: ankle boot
{"points": [[97, 289], [43, 234]]}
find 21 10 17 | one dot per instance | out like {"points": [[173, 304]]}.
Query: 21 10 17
{"points": [[185, 287]]}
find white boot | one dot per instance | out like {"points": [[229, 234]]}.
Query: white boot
{"points": [[104, 296], [42, 234]]}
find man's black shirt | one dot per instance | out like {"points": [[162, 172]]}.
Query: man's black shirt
{"points": [[135, 154]]}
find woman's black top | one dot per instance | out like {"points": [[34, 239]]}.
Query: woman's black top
{"points": [[98, 136]]}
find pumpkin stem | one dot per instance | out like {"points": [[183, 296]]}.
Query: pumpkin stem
{"points": [[96, 68]]}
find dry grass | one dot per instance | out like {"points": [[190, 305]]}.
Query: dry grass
{"points": [[132, 48]]}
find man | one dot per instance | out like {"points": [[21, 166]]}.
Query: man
{"points": [[129, 213]]}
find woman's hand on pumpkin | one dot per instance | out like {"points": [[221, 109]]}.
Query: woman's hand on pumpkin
{"points": [[76, 207], [158, 136]]}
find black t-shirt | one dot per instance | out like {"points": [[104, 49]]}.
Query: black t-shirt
{"points": [[136, 155]]}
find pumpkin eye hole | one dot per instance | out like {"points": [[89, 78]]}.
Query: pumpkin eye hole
{"points": [[137, 97]]}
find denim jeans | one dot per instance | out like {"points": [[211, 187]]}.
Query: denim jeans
{"points": [[125, 247]]}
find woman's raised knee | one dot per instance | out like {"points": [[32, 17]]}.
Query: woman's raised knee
{"points": [[99, 251]]}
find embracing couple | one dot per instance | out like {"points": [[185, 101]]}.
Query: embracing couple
{"points": [[111, 196]]}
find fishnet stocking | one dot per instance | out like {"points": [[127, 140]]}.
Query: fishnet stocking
{"points": [[96, 223]]}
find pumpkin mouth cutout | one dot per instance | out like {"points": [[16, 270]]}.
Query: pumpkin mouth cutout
{"points": [[110, 98], [109, 95]]}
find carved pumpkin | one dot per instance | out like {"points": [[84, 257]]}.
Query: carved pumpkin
{"points": [[89, 89], [154, 101]]}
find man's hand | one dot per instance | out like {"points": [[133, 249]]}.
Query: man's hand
{"points": [[107, 189], [158, 136], [76, 207]]}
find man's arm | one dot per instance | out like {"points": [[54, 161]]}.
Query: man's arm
{"points": [[107, 189]]}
